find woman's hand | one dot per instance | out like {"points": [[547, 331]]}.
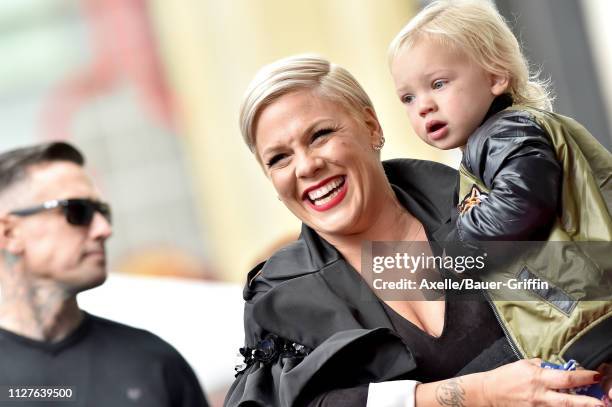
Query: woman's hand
{"points": [[525, 383], [519, 384], [606, 380]]}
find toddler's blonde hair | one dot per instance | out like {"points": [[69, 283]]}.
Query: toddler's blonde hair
{"points": [[477, 29]]}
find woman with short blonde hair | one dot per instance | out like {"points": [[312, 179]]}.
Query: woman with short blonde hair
{"points": [[316, 334]]}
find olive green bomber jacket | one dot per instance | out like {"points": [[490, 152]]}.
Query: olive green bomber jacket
{"points": [[563, 321]]}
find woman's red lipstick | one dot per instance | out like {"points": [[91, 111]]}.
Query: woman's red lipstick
{"points": [[331, 198]]}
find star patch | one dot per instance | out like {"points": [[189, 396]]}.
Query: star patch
{"points": [[474, 198]]}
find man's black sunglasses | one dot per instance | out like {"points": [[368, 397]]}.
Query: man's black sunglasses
{"points": [[78, 212]]}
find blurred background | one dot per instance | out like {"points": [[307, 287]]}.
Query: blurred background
{"points": [[150, 91]]}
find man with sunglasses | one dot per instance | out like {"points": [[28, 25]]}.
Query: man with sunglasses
{"points": [[53, 227]]}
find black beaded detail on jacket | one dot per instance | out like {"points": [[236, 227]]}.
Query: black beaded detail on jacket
{"points": [[269, 350]]}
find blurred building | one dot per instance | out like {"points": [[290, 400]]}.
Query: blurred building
{"points": [[89, 71], [569, 41]]}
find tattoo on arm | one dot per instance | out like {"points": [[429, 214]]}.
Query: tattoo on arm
{"points": [[451, 393]]}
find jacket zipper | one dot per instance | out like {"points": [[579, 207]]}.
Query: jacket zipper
{"points": [[503, 326]]}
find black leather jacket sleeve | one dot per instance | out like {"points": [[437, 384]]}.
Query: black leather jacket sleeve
{"points": [[514, 158]]}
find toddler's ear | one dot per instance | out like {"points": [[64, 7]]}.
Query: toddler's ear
{"points": [[499, 84]]}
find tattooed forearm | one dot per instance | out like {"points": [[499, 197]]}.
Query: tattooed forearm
{"points": [[451, 393]]}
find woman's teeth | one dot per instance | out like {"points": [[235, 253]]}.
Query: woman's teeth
{"points": [[328, 198], [321, 196]]}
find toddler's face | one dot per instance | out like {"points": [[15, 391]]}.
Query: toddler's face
{"points": [[445, 94]]}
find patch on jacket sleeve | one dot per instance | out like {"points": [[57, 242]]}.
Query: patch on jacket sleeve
{"points": [[473, 198]]}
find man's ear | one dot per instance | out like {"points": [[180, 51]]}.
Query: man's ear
{"points": [[499, 84], [9, 240], [4, 230]]}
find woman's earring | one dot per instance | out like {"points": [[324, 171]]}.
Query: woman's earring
{"points": [[379, 146]]}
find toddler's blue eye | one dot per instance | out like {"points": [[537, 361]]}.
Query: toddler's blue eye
{"points": [[407, 99], [438, 84]]}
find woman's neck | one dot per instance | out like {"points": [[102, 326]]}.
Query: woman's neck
{"points": [[391, 223]]}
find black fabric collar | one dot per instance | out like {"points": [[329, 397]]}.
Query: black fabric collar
{"points": [[52, 347], [425, 188], [499, 103]]}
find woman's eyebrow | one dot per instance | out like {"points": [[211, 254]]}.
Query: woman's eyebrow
{"points": [[271, 149], [303, 133]]}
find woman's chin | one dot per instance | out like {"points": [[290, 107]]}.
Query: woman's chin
{"points": [[337, 224]]}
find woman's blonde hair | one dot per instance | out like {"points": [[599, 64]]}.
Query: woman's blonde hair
{"points": [[299, 72], [477, 29]]}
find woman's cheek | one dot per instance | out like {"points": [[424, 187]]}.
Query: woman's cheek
{"points": [[337, 152], [283, 184]]}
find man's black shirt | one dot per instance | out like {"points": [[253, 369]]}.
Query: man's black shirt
{"points": [[105, 364]]}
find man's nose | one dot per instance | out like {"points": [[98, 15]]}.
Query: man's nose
{"points": [[100, 227], [308, 164]]}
